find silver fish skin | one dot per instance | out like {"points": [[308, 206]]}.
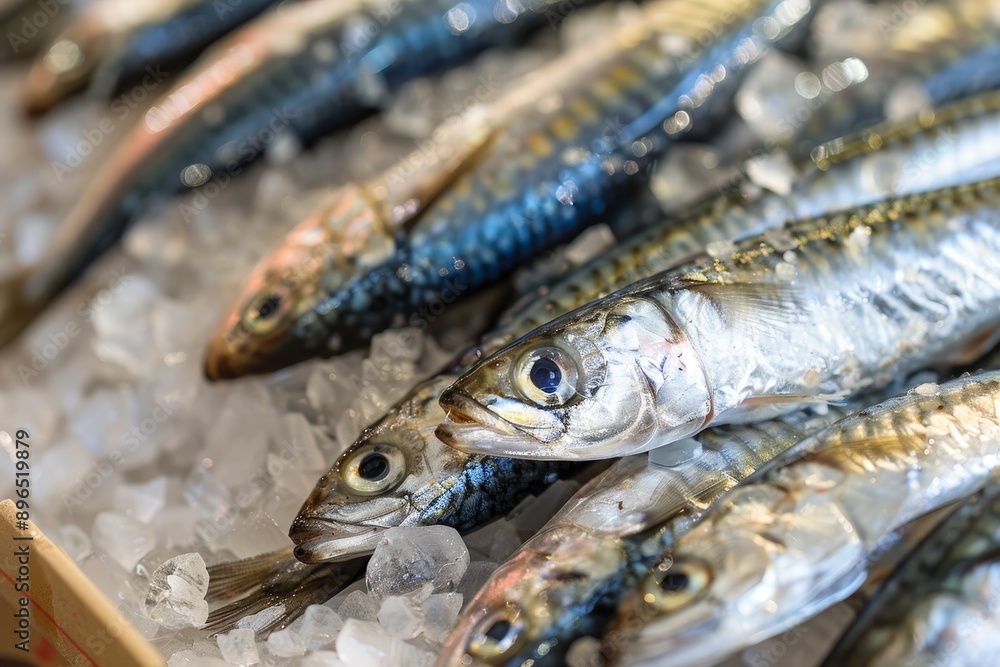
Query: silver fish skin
{"points": [[564, 582], [829, 307], [942, 605], [801, 533], [424, 481]]}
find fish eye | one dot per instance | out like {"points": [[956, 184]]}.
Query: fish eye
{"points": [[547, 376], [497, 636], [266, 311], [374, 469], [673, 585]]}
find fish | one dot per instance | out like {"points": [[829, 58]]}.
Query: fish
{"points": [[800, 534], [549, 159], [566, 580], [940, 606], [302, 72], [824, 308], [111, 44], [420, 480]]}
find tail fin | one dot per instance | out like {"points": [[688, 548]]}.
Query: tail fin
{"points": [[274, 581]]}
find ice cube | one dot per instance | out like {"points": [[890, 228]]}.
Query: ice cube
{"points": [[400, 617], [75, 541], [397, 345], [238, 647], [496, 541], [123, 538], [440, 614], [319, 625], [364, 644], [408, 557], [286, 643], [322, 659], [237, 440], [177, 589], [301, 440], [477, 574], [34, 235], [144, 500], [189, 658], [358, 605]]}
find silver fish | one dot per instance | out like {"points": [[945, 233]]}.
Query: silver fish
{"points": [[822, 309], [800, 535], [942, 605]]}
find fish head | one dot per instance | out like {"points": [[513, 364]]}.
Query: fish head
{"points": [[611, 379], [756, 566], [529, 611], [385, 479], [268, 326], [686, 609]]}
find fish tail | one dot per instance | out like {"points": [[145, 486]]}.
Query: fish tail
{"points": [[272, 590]]}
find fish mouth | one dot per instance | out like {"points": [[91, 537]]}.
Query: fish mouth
{"points": [[321, 540], [461, 409], [473, 428]]}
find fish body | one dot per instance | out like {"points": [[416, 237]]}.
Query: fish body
{"points": [[565, 581], [821, 309], [303, 71], [550, 158], [800, 534], [942, 605], [113, 43]]}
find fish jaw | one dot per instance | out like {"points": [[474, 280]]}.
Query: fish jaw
{"points": [[338, 528], [470, 427], [314, 541], [265, 328]]}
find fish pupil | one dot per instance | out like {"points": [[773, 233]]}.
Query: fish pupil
{"points": [[673, 582], [545, 375], [498, 631], [269, 307], [373, 467]]}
